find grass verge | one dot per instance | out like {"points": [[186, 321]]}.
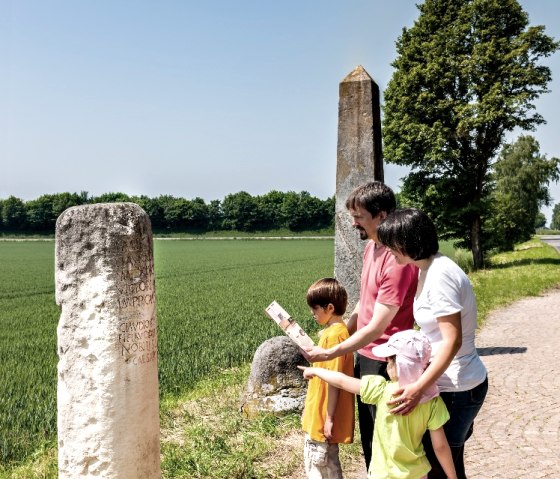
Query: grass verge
{"points": [[280, 233], [205, 436], [533, 267]]}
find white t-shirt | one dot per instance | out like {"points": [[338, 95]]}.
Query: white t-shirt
{"points": [[447, 290]]}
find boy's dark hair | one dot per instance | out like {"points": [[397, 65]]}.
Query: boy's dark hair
{"points": [[373, 197], [325, 291], [410, 232]]}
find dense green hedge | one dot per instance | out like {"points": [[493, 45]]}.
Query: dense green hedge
{"points": [[237, 211]]}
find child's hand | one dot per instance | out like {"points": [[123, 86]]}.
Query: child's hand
{"points": [[327, 428], [307, 372]]}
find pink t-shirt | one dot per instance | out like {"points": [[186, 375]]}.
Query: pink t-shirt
{"points": [[385, 281]]}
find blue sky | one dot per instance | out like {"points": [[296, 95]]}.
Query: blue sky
{"points": [[197, 98]]}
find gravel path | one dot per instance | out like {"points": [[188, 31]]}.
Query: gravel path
{"points": [[517, 433]]}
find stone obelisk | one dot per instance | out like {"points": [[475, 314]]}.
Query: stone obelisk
{"points": [[108, 399], [359, 160]]}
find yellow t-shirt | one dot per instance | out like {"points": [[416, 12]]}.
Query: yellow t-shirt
{"points": [[316, 401]]}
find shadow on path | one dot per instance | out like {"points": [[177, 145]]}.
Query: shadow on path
{"points": [[525, 262], [491, 351]]}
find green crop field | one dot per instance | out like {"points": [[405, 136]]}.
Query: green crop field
{"points": [[211, 295], [210, 301]]}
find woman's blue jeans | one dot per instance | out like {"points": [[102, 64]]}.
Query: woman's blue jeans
{"points": [[463, 407]]}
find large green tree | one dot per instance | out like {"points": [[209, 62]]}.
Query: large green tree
{"points": [[466, 73], [13, 214], [305, 212], [522, 175], [240, 211], [154, 208], [43, 212], [540, 220]]}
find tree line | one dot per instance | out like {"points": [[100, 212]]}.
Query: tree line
{"points": [[236, 212], [516, 189]]}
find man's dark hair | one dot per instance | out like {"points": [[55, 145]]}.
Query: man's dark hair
{"points": [[373, 197], [410, 232], [325, 291]]}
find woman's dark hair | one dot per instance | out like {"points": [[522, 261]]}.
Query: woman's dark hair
{"points": [[373, 197], [410, 232], [325, 291]]}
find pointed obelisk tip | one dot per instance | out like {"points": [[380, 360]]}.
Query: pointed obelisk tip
{"points": [[358, 74]]}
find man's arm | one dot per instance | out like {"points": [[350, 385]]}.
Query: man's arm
{"points": [[383, 314], [443, 452], [352, 323]]}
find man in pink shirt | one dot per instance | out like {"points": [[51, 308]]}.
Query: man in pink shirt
{"points": [[386, 297]]}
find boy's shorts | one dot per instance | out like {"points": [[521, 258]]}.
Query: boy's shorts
{"points": [[321, 460]]}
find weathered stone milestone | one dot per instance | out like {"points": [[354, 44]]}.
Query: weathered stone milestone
{"points": [[358, 160], [275, 384], [108, 398]]}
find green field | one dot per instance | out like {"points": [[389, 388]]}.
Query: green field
{"points": [[211, 296], [210, 301]]}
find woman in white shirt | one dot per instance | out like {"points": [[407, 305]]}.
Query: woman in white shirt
{"points": [[445, 310]]}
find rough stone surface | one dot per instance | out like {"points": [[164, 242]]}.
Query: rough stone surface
{"points": [[108, 405], [359, 160], [275, 384]]}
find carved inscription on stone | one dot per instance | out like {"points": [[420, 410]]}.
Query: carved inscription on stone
{"points": [[137, 329], [107, 394]]}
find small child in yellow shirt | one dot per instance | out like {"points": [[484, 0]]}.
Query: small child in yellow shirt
{"points": [[328, 416]]}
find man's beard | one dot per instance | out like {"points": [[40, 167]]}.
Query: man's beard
{"points": [[362, 232]]}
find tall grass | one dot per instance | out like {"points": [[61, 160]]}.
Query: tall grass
{"points": [[211, 297], [529, 270], [28, 318], [461, 256], [210, 302]]}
